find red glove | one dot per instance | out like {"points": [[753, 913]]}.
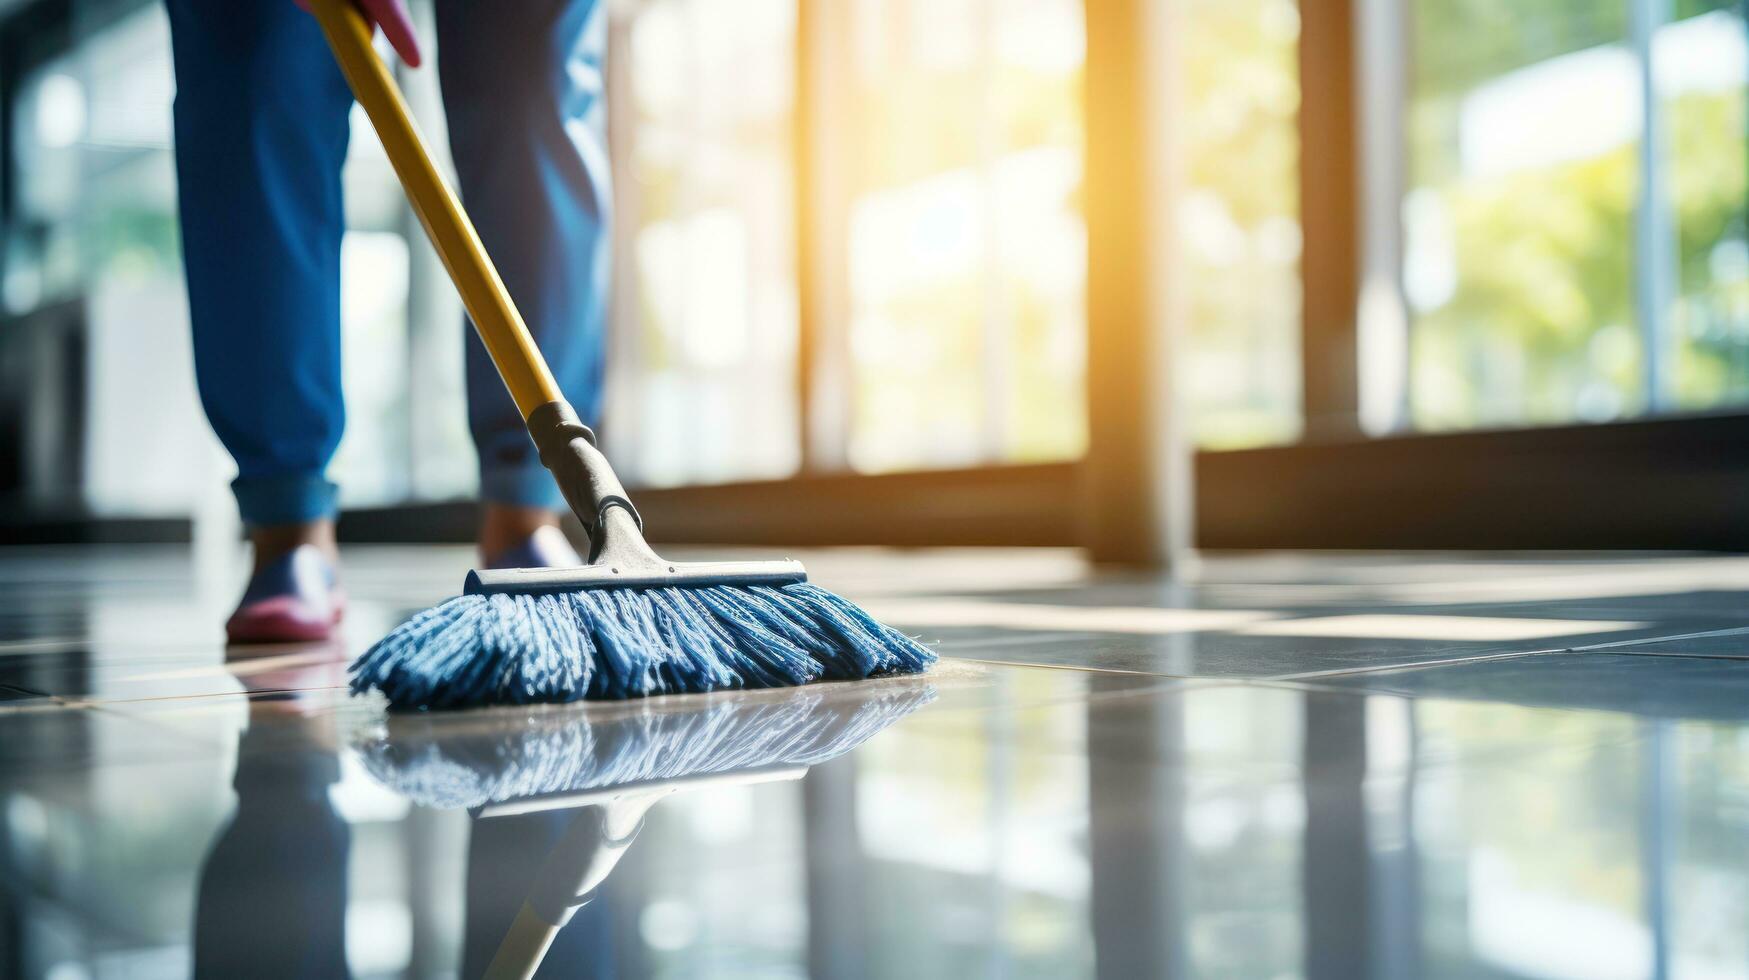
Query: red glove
{"points": [[391, 16]]}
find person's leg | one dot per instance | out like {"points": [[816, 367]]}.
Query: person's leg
{"points": [[522, 87], [261, 120]]}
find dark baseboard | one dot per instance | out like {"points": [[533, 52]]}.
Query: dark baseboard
{"points": [[1004, 505], [442, 522], [1009, 505], [44, 529], [1676, 484], [1663, 484]]}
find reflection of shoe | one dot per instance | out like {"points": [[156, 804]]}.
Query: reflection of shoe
{"points": [[296, 598], [289, 678], [547, 547]]}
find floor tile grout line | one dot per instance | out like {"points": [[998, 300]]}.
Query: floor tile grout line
{"points": [[1725, 657], [1336, 672], [1080, 668], [1174, 683], [81, 701], [1580, 649], [1441, 662], [1732, 631], [990, 641], [1172, 680], [1311, 686], [1421, 665], [1309, 680]]}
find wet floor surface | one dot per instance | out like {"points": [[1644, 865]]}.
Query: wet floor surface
{"points": [[1295, 765]]}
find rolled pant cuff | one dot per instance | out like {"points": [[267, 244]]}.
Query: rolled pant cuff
{"points": [[521, 486], [269, 500]]}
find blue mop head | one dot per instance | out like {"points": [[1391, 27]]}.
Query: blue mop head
{"points": [[610, 643]]}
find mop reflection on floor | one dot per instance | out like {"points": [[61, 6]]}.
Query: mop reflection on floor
{"points": [[613, 762]]}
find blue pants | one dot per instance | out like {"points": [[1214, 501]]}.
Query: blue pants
{"points": [[261, 122]]}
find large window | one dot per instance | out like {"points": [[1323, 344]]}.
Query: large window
{"points": [[1239, 227], [1702, 69], [703, 387], [943, 153], [966, 251], [1575, 237], [947, 251]]}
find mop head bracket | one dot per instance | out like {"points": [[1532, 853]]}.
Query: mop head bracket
{"points": [[619, 572]]}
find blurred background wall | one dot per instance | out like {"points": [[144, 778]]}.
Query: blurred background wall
{"points": [[854, 248]]}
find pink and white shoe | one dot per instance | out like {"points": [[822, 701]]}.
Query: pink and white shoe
{"points": [[295, 599]]}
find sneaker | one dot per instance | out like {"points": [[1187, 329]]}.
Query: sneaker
{"points": [[547, 547], [295, 599]]}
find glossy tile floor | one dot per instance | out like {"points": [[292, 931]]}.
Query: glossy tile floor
{"points": [[1322, 766]]}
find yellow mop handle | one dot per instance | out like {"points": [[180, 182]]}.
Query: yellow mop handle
{"points": [[507, 339]]}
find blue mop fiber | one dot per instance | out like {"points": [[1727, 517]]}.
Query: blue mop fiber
{"points": [[597, 643], [553, 752]]}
